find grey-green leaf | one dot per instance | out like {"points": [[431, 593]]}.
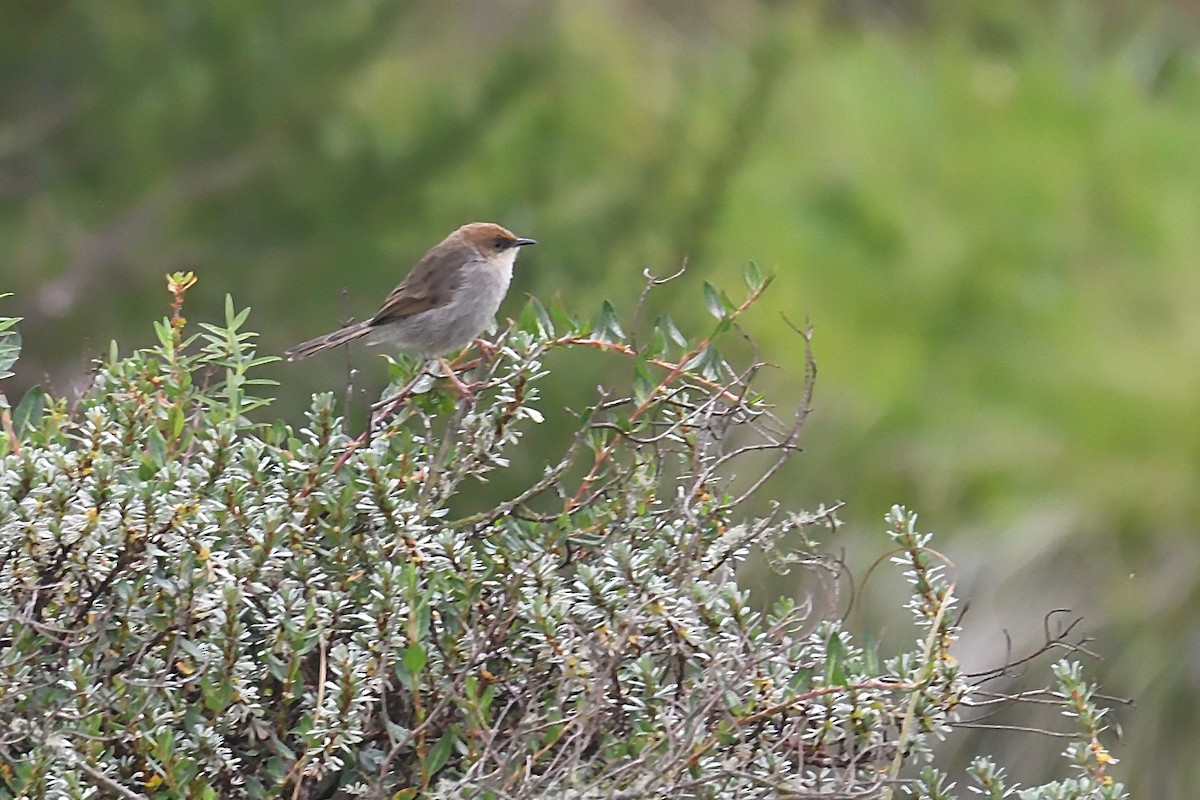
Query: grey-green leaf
{"points": [[606, 327], [712, 299], [29, 411]]}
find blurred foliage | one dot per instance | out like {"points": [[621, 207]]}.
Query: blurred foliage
{"points": [[987, 209]]}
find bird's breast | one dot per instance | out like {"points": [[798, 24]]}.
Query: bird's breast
{"points": [[486, 286]]}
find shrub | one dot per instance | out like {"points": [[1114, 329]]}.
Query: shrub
{"points": [[193, 604]]}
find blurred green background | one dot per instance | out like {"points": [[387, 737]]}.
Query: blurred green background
{"points": [[989, 210]]}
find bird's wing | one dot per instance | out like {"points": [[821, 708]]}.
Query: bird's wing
{"points": [[431, 284]]}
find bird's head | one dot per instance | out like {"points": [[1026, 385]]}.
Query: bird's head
{"points": [[493, 242]]}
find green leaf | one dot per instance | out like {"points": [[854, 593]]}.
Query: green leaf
{"points": [[162, 744], [643, 382], [657, 346], [835, 660], [439, 754], [277, 434], [606, 328], [422, 614], [29, 411], [398, 371], [162, 329], [217, 695], [753, 275], [397, 732], [871, 652], [8, 322], [282, 750], [10, 350], [415, 657], [157, 446], [536, 320], [708, 363], [667, 326], [563, 319], [147, 469], [712, 299], [801, 680], [176, 419], [485, 700], [552, 735], [233, 320]]}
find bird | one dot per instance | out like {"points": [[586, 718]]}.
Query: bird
{"points": [[447, 299]]}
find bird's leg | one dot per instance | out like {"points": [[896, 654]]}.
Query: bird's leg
{"points": [[487, 355], [461, 388], [487, 348]]}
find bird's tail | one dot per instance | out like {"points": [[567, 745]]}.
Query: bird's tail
{"points": [[333, 339]]}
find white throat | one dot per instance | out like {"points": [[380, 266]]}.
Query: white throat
{"points": [[507, 258]]}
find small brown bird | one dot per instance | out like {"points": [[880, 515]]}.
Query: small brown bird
{"points": [[449, 298]]}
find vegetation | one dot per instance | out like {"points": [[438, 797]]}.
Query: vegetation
{"points": [[987, 210], [194, 604]]}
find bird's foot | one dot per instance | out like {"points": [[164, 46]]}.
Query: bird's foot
{"points": [[487, 348], [461, 389]]}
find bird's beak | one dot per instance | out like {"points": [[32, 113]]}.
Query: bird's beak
{"points": [[523, 242]]}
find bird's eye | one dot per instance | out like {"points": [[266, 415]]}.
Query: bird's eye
{"points": [[500, 242]]}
